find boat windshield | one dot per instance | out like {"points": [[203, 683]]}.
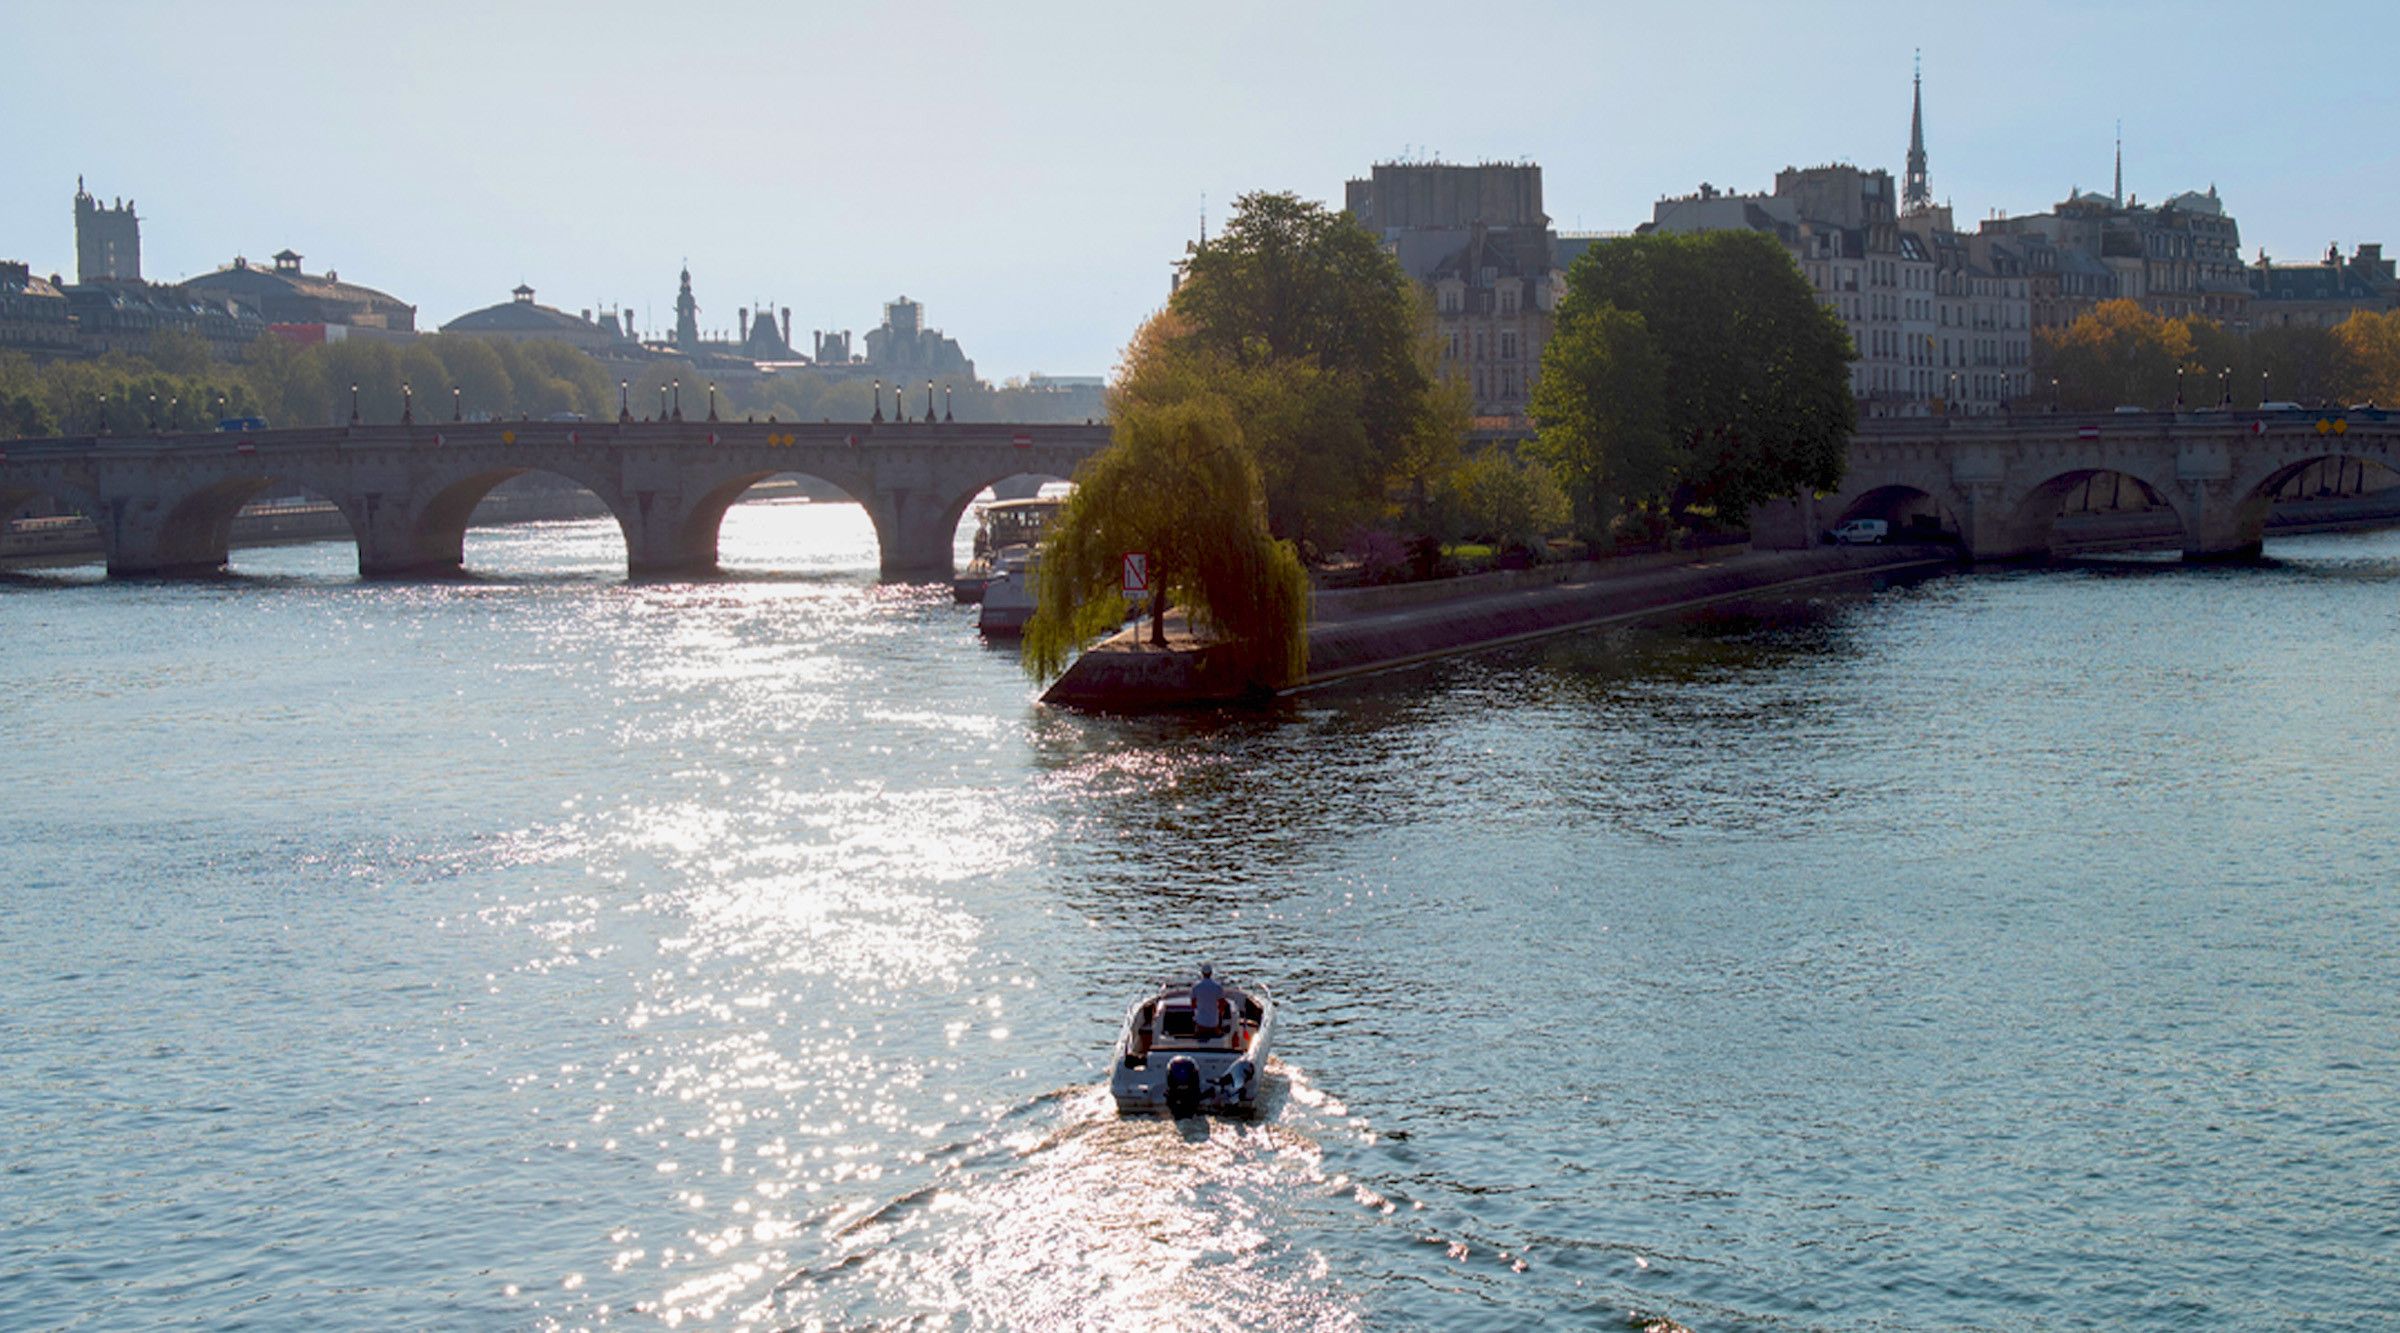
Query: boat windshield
{"points": [[1017, 522]]}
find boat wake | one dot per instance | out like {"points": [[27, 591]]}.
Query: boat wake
{"points": [[1063, 1213]]}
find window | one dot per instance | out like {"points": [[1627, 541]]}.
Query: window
{"points": [[1508, 347]]}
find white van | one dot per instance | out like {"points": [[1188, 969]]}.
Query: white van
{"points": [[1863, 532]]}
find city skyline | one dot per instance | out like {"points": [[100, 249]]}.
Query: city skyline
{"points": [[967, 163]]}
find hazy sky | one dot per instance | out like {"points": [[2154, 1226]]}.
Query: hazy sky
{"points": [[1030, 171]]}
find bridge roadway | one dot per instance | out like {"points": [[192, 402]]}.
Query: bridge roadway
{"points": [[164, 504], [1999, 483]]}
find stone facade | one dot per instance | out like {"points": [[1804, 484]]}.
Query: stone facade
{"points": [[108, 239], [2322, 294], [34, 315], [1476, 239], [903, 351], [2177, 259], [1979, 351]]}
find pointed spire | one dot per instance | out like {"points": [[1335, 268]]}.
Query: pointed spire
{"points": [[2120, 195], [1917, 190]]}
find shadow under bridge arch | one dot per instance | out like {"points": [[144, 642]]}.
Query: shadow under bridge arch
{"points": [[1914, 513]]}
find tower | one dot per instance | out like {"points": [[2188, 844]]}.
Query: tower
{"points": [[2120, 194], [108, 240], [687, 314], [1916, 191]]}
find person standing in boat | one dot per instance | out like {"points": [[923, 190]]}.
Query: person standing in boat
{"points": [[1208, 1003]]}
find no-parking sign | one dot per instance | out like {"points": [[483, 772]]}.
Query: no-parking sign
{"points": [[1137, 573]]}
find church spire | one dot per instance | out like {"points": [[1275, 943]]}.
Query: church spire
{"points": [[2120, 196], [1916, 191]]}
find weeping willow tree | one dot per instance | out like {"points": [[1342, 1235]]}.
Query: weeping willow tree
{"points": [[1178, 486]]}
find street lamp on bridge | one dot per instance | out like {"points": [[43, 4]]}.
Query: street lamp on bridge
{"points": [[2178, 388], [662, 402], [353, 404], [458, 405], [946, 390], [104, 414], [929, 400], [679, 400], [2262, 391], [879, 402], [624, 406], [154, 412], [712, 400], [408, 404], [2225, 387]]}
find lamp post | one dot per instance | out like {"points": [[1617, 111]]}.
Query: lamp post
{"points": [[2225, 387], [624, 407], [458, 405], [2262, 391], [946, 391], [678, 399], [929, 400], [353, 404], [879, 402], [2178, 388], [712, 400], [662, 402], [408, 404], [104, 414], [154, 412]]}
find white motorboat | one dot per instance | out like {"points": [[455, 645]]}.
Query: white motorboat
{"points": [[1001, 526], [1171, 1057], [1008, 595]]}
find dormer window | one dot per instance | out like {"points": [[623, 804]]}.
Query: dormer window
{"points": [[286, 262], [524, 294]]}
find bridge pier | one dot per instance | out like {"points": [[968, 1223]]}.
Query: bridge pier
{"points": [[917, 528]]}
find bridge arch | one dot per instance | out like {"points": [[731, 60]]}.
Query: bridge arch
{"points": [[695, 538], [78, 502], [1914, 512], [2033, 524], [2302, 474], [189, 529], [1039, 477], [431, 538]]}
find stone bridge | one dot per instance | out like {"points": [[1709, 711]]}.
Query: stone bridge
{"points": [[1997, 485], [165, 504]]}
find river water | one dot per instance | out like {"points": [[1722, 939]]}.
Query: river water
{"points": [[2000, 951]]}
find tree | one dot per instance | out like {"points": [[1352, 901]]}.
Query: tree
{"points": [[2118, 355], [1178, 485], [2373, 342], [1506, 501], [1751, 381], [1297, 319], [1601, 407]]}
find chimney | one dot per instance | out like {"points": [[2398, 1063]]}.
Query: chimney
{"points": [[744, 312], [787, 326]]}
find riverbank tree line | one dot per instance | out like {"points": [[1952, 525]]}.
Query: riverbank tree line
{"points": [[180, 386], [2119, 355]]}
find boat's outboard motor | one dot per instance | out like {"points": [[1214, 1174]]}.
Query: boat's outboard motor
{"points": [[1183, 1086]]}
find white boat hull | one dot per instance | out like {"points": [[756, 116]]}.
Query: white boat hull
{"points": [[1228, 1069]]}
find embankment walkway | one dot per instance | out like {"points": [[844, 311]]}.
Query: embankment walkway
{"points": [[1355, 632]]}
